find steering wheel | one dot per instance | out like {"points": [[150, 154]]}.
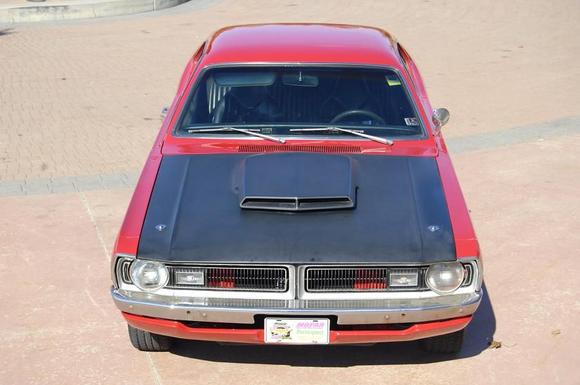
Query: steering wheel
{"points": [[369, 114]]}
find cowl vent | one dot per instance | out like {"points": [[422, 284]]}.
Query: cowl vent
{"points": [[297, 204], [299, 148]]}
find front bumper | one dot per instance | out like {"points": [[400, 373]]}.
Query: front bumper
{"points": [[178, 329], [347, 312]]}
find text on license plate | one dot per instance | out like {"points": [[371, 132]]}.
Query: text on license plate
{"points": [[296, 331]]}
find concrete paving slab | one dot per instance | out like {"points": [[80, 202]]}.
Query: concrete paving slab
{"points": [[524, 204], [61, 326], [19, 11]]}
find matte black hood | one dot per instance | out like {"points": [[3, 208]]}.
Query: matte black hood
{"points": [[398, 211]]}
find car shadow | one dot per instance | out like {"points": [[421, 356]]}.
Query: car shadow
{"points": [[6, 31], [479, 335]]}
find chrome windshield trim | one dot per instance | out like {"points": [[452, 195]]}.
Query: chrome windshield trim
{"points": [[200, 72]]}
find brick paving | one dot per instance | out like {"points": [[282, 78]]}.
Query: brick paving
{"points": [[457, 145], [23, 3], [83, 98], [79, 109], [67, 184]]}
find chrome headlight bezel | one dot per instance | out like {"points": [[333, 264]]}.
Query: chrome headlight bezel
{"points": [[454, 271], [140, 267]]}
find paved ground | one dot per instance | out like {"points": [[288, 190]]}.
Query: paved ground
{"points": [[79, 108], [34, 11], [24, 3]]}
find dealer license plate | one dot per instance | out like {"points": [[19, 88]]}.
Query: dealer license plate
{"points": [[296, 331]]}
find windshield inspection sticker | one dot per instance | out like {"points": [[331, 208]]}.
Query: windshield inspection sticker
{"points": [[411, 121], [392, 81]]}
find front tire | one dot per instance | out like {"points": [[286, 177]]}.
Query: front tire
{"points": [[445, 344], [148, 342]]}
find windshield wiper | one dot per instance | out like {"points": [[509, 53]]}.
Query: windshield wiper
{"points": [[360, 133], [233, 129]]}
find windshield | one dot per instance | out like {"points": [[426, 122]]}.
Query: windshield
{"points": [[277, 100]]}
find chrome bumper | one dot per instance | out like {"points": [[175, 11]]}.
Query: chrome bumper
{"points": [[348, 312]]}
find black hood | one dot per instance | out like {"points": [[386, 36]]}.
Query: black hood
{"points": [[303, 208]]}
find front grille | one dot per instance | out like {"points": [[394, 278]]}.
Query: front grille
{"points": [[369, 279], [355, 279], [346, 279], [259, 278], [278, 278]]}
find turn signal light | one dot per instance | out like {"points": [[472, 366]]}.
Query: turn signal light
{"points": [[190, 278], [404, 277]]}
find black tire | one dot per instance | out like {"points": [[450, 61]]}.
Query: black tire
{"points": [[148, 342], [445, 344]]}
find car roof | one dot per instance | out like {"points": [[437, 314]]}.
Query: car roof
{"points": [[301, 43]]}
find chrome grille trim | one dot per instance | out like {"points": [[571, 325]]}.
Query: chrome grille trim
{"points": [[300, 304], [235, 278]]}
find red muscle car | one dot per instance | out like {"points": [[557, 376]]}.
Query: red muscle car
{"points": [[299, 192]]}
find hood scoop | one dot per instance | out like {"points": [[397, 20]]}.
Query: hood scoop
{"points": [[297, 182], [297, 203]]}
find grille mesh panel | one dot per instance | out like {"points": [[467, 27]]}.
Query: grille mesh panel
{"points": [[355, 279], [234, 278], [346, 279]]}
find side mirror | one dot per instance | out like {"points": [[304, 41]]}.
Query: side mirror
{"points": [[440, 117], [164, 112]]}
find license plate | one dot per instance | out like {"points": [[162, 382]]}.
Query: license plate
{"points": [[296, 331]]}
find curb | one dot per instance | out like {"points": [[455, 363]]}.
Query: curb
{"points": [[82, 10]]}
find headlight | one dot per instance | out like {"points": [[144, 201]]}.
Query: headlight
{"points": [[443, 278], [149, 275]]}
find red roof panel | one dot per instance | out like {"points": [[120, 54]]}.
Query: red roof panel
{"points": [[302, 43]]}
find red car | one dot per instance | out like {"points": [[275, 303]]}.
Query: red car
{"points": [[299, 192]]}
